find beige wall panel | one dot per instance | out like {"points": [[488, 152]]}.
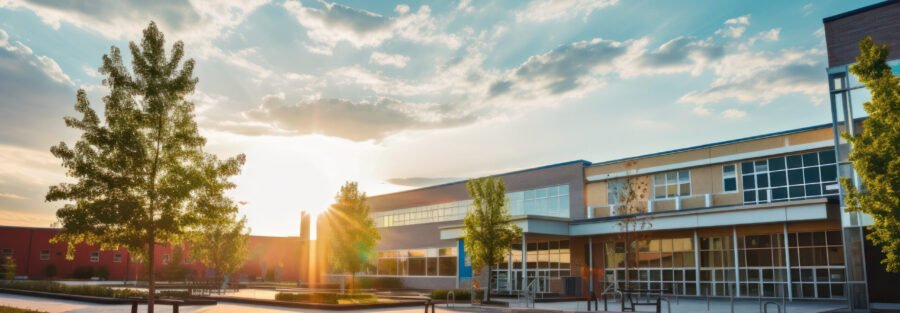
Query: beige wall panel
{"points": [[697, 201], [601, 211], [747, 146], [760, 229], [727, 199], [663, 205], [702, 180], [811, 136], [596, 194]]}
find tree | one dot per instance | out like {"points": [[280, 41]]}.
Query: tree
{"points": [[350, 234], [489, 231], [631, 202], [140, 174], [221, 245], [875, 151]]}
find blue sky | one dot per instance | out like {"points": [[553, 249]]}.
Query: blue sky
{"points": [[399, 94]]}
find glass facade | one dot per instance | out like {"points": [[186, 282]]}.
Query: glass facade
{"points": [[548, 201], [672, 184], [817, 264], [658, 263], [415, 262], [729, 178], [545, 260], [793, 177]]}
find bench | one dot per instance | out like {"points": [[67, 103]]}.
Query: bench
{"points": [[135, 301]]}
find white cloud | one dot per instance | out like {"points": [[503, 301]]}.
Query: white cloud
{"points": [[735, 27], [395, 60], [542, 11], [733, 114], [335, 23], [11, 196], [401, 9], [770, 35], [465, 6], [195, 19], [44, 63], [762, 77]]}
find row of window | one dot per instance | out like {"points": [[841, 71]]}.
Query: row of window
{"points": [[44, 255], [792, 177], [547, 201], [414, 262]]}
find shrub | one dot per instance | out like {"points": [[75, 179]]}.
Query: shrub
{"points": [[84, 290], [83, 272], [50, 270], [270, 275], [326, 297], [380, 283], [459, 294], [8, 309], [8, 268]]}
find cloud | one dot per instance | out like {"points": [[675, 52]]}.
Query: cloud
{"points": [[395, 60], [29, 167], [733, 114], [542, 11], [11, 196], [369, 119], [43, 63], [422, 181], [761, 77], [682, 54], [335, 23], [125, 19], [564, 69], [465, 6], [735, 27]]}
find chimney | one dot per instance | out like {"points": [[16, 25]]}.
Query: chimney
{"points": [[304, 225]]}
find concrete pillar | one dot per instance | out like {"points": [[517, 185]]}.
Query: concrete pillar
{"points": [[524, 263], [787, 263]]}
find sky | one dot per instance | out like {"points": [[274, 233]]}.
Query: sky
{"points": [[399, 95]]}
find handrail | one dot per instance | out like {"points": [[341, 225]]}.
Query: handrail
{"points": [[766, 306], [668, 305], [451, 298]]}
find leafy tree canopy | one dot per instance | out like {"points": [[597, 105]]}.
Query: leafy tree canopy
{"points": [[875, 152]]}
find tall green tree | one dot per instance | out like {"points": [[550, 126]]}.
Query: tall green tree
{"points": [[350, 234], [489, 231], [875, 152], [631, 203], [221, 245], [140, 173]]}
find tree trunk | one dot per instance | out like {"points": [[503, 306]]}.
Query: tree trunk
{"points": [[151, 287], [487, 292]]}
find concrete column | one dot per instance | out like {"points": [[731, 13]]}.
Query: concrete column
{"points": [[737, 269], [697, 263], [591, 263], [787, 263], [524, 263], [509, 272]]}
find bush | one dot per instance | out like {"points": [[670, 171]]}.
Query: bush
{"points": [[83, 272], [83, 290], [8, 268], [459, 294], [50, 270], [270, 275], [326, 298], [8, 309], [380, 283]]}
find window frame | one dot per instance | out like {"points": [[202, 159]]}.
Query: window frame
{"points": [[677, 184], [736, 176], [117, 257], [44, 256], [95, 256]]}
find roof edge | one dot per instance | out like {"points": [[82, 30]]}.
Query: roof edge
{"points": [[584, 163], [858, 11]]}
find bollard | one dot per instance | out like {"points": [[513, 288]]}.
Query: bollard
{"points": [[589, 302], [605, 304]]}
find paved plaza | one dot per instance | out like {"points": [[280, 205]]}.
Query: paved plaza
{"points": [[683, 306]]}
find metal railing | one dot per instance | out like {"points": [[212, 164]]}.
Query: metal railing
{"points": [[451, 299]]}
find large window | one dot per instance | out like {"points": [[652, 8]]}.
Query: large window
{"points": [[791, 177], [672, 184], [729, 178], [117, 257], [613, 188], [817, 264], [95, 256], [45, 255], [658, 263], [547, 201], [416, 262], [546, 260]]}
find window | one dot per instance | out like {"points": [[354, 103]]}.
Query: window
{"points": [[45, 255], [117, 258], [729, 178], [416, 262], [95, 256], [791, 177], [6, 252], [672, 184], [165, 259], [613, 188]]}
